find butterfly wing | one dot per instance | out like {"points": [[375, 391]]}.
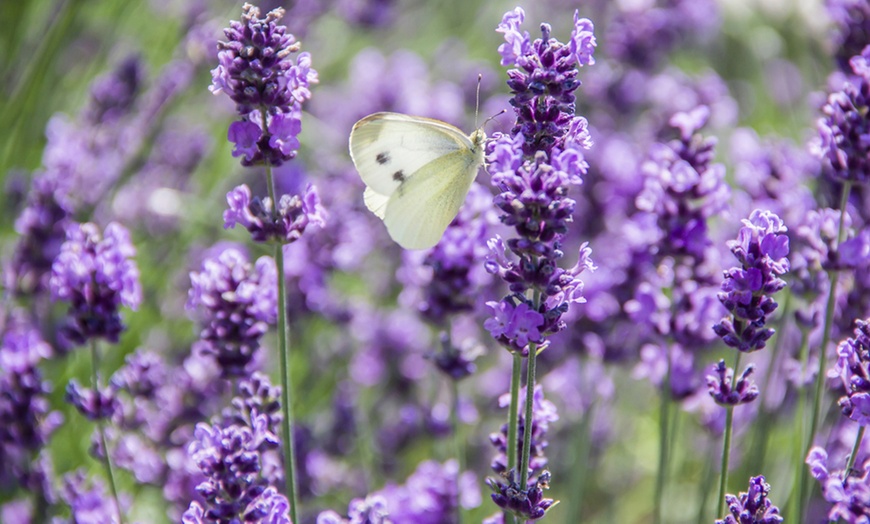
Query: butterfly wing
{"points": [[419, 211], [388, 148]]}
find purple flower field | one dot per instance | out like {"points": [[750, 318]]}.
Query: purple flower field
{"points": [[653, 305]]}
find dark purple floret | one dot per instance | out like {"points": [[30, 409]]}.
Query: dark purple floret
{"points": [[371, 510], [430, 495], [95, 273], [42, 226], [529, 503], [26, 422], [295, 213], [752, 507], [853, 368], [852, 28], [142, 375], [230, 459], [683, 188], [257, 395], [761, 248], [843, 147], [113, 95], [257, 72], [90, 404], [729, 393], [88, 500], [238, 302], [848, 493], [456, 362]]}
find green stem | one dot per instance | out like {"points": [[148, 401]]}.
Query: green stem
{"points": [[107, 462], [529, 414], [726, 454], [457, 442], [826, 332], [764, 424], [284, 352], [851, 462], [664, 424], [704, 487], [855, 448], [801, 478], [580, 468], [513, 423], [514, 415]]}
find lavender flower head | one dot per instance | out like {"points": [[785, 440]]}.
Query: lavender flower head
{"points": [[88, 501], [726, 392], [851, 29], [295, 213], [848, 494], [430, 495], [534, 167], [42, 226], [752, 507], [683, 188], [95, 273], [761, 248], [843, 146], [371, 510], [256, 71], [26, 422], [238, 302], [234, 490], [853, 368]]}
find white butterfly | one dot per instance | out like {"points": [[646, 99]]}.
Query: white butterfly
{"points": [[417, 171]]}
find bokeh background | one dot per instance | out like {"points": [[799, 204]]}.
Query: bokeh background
{"points": [[370, 403]]}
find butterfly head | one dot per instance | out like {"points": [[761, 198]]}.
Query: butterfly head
{"points": [[478, 137]]}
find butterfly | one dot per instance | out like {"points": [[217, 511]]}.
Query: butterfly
{"points": [[417, 172]]}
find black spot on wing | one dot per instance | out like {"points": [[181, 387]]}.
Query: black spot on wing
{"points": [[398, 176], [383, 158]]}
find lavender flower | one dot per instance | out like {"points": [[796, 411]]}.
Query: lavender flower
{"points": [[761, 248], [256, 71], [294, 214], [234, 490], [847, 492], [726, 392], [683, 188], [239, 302], [93, 405], [88, 500], [529, 503], [96, 274], [42, 226], [752, 507], [430, 495], [26, 422], [852, 28], [371, 510], [843, 146], [853, 368]]}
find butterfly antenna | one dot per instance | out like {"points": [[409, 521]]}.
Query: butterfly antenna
{"points": [[493, 117], [477, 99]]}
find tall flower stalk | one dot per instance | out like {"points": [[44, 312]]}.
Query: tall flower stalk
{"points": [[747, 293], [533, 168], [845, 154], [268, 87], [95, 274]]}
